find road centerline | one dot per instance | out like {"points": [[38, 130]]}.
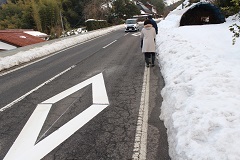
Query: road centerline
{"points": [[110, 44]]}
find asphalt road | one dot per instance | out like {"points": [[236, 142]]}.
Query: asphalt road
{"points": [[96, 119]]}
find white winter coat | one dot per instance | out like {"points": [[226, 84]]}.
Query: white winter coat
{"points": [[148, 34]]}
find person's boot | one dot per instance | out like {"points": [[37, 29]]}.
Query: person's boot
{"points": [[153, 64], [147, 61], [153, 59]]}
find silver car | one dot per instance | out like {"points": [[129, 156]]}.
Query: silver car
{"points": [[131, 25]]}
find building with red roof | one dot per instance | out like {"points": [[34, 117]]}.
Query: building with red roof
{"points": [[10, 39]]}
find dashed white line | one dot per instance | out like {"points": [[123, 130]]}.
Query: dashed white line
{"points": [[136, 34], [45, 57], [140, 145], [25, 95], [110, 44]]}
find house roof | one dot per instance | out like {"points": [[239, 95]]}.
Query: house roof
{"points": [[142, 7], [37, 34], [18, 38]]}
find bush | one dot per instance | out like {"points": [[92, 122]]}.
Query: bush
{"points": [[93, 24]]}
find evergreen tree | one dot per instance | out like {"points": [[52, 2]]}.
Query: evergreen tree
{"points": [[72, 11], [131, 10], [159, 6], [16, 15], [49, 13], [235, 29], [121, 10], [36, 16]]}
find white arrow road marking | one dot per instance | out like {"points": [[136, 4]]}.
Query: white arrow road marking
{"points": [[24, 147]]}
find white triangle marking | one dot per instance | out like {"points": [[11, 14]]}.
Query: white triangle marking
{"points": [[24, 147]]}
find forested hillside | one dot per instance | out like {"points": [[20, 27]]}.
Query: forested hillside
{"points": [[52, 16]]}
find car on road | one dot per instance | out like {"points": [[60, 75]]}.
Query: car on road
{"points": [[131, 25]]}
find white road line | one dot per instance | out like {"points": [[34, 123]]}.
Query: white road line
{"points": [[45, 57], [136, 34], [125, 34], [25, 95], [109, 44], [25, 146], [28, 64], [140, 145]]}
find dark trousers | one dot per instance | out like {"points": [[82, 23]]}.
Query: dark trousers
{"points": [[149, 55]]}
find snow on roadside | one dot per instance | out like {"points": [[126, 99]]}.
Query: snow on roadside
{"points": [[201, 97], [26, 56]]}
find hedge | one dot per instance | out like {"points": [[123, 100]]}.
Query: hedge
{"points": [[96, 24]]}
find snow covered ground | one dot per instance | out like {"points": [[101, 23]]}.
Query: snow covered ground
{"points": [[201, 69], [201, 98]]}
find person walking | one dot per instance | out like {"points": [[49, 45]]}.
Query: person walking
{"points": [[148, 45], [153, 23]]}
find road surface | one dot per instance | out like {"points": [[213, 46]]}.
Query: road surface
{"points": [[86, 102]]}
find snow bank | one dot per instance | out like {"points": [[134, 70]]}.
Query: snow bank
{"points": [[201, 98], [26, 56]]}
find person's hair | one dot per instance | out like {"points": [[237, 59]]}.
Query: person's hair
{"points": [[147, 22]]}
